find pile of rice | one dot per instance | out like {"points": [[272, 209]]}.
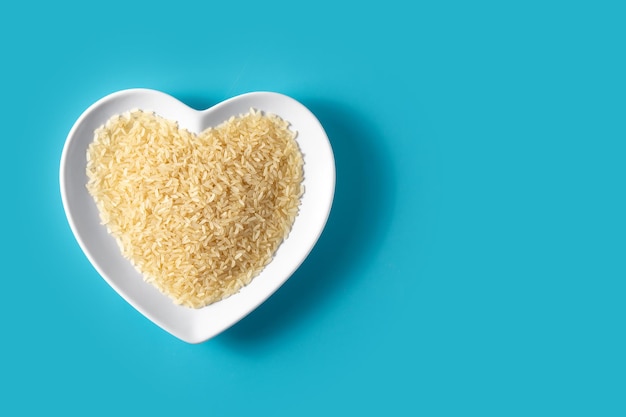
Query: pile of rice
{"points": [[198, 215]]}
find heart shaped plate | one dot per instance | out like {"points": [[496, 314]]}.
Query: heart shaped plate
{"points": [[196, 325]]}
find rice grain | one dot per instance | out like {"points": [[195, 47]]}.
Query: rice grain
{"points": [[199, 216]]}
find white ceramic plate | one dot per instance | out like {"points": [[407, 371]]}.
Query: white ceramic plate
{"points": [[197, 325]]}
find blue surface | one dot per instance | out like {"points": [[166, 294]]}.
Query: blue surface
{"points": [[473, 263]]}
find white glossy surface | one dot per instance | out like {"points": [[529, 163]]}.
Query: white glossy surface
{"points": [[197, 325]]}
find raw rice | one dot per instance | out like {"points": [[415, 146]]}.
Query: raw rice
{"points": [[198, 215]]}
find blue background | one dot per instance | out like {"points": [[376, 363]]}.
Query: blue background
{"points": [[474, 260]]}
